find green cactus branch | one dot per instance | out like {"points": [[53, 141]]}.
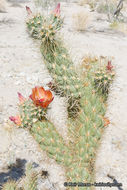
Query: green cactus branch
{"points": [[86, 128], [30, 182], [30, 113], [49, 139]]}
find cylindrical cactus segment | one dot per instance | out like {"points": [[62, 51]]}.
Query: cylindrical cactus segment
{"points": [[30, 182], [49, 139], [30, 113], [66, 80], [34, 25], [102, 81], [41, 27]]}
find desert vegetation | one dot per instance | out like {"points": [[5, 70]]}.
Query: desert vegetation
{"points": [[86, 98], [81, 20], [2, 6], [86, 91]]}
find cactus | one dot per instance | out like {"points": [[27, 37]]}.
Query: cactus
{"points": [[34, 25], [85, 130], [103, 78], [55, 54], [30, 113], [10, 185], [65, 79], [50, 141], [30, 182], [101, 74], [77, 156], [40, 27]]}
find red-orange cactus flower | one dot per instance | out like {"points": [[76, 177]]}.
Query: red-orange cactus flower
{"points": [[21, 98], [16, 120], [41, 97], [29, 12], [56, 11], [109, 66]]}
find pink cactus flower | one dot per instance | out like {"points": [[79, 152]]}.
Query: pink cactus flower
{"points": [[21, 98], [109, 66], [56, 11], [16, 120], [29, 12]]}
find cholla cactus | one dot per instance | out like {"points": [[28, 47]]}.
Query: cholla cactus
{"points": [[33, 109], [10, 185], [50, 141], [44, 28], [88, 62], [100, 72], [30, 114], [103, 78], [47, 36], [30, 182], [86, 128], [65, 79], [34, 25]]}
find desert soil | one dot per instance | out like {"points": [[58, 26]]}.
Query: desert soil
{"points": [[22, 68]]}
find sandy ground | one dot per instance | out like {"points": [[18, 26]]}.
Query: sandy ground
{"points": [[22, 68]]}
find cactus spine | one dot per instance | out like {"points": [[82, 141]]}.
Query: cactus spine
{"points": [[30, 113]]}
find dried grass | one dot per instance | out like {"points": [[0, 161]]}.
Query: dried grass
{"points": [[81, 20], [2, 5], [107, 6], [91, 3]]}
